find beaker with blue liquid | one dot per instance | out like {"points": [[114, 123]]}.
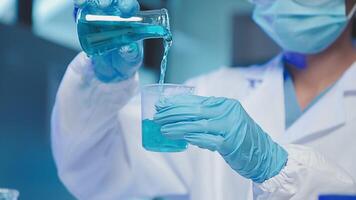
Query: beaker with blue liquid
{"points": [[152, 138], [102, 31]]}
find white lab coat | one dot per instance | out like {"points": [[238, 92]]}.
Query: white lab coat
{"points": [[96, 139]]}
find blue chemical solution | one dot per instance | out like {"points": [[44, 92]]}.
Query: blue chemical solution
{"points": [[167, 45], [153, 140], [100, 37]]}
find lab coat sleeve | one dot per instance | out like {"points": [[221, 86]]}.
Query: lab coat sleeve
{"points": [[306, 175], [89, 147]]}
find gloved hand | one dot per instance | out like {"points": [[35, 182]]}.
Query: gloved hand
{"points": [[222, 124], [123, 63]]}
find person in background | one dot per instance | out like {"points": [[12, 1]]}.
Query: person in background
{"points": [[288, 126]]}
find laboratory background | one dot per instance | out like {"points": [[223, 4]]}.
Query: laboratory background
{"points": [[38, 39]]}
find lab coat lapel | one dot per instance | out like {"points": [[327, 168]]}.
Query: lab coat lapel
{"points": [[326, 115], [266, 104]]}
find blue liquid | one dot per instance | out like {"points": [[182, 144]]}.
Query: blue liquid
{"points": [[100, 37], [153, 140], [167, 45]]}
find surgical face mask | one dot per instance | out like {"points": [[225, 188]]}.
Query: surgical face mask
{"points": [[302, 26]]}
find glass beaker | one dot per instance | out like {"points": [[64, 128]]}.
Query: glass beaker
{"points": [[101, 31], [152, 138], [8, 194]]}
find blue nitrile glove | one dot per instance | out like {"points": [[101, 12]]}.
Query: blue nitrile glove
{"points": [[222, 124], [120, 64]]}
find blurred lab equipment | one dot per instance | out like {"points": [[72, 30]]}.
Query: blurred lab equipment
{"points": [[8, 194]]}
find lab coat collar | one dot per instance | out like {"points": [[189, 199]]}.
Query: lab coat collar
{"points": [[326, 115]]}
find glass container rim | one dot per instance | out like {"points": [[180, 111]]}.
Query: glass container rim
{"points": [[149, 87]]}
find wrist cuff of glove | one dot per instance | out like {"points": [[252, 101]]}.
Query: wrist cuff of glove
{"points": [[268, 162]]}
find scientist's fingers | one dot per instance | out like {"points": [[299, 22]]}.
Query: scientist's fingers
{"points": [[190, 108], [210, 142], [128, 8], [132, 53], [103, 3], [180, 129], [103, 67], [179, 114], [181, 108], [189, 100]]}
